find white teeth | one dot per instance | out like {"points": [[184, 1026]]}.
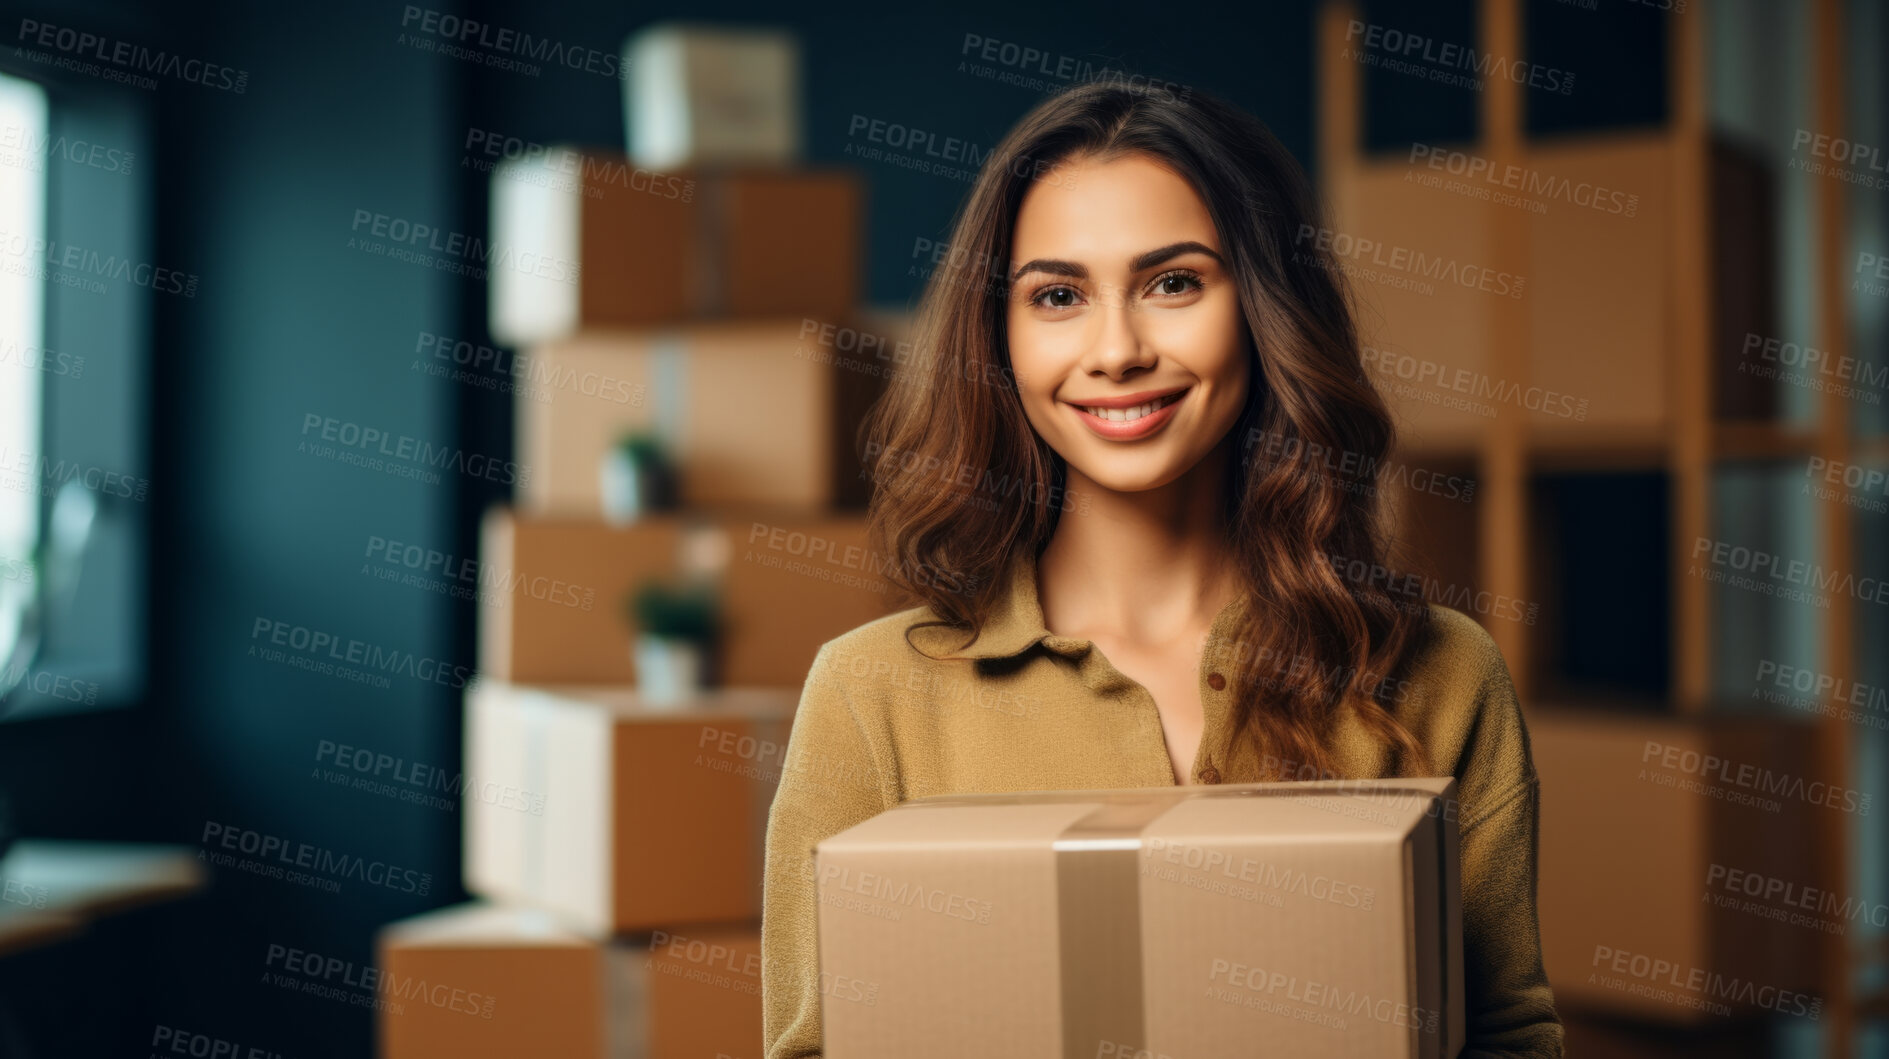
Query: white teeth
{"points": [[1126, 415]]}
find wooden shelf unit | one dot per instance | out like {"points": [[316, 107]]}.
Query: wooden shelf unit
{"points": [[1617, 312]]}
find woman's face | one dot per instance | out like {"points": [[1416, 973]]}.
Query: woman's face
{"points": [[1119, 297]]}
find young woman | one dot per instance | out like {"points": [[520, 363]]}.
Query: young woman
{"points": [[1131, 476]]}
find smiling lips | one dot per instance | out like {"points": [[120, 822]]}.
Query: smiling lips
{"points": [[1133, 421]]}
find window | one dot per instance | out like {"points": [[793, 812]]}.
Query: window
{"points": [[23, 123], [75, 321]]}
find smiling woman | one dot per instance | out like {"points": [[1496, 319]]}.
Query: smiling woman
{"points": [[1128, 308], [1127, 313]]}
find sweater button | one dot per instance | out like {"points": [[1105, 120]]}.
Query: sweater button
{"points": [[1216, 681], [1210, 775]]}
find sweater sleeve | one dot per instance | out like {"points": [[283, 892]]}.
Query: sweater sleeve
{"points": [[829, 782], [1511, 1010]]}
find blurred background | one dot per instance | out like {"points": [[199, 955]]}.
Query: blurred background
{"points": [[426, 434]]}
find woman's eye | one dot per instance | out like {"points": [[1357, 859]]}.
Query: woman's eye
{"points": [[1055, 297], [1175, 283]]}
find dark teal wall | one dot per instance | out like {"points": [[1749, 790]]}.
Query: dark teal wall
{"points": [[257, 194]]}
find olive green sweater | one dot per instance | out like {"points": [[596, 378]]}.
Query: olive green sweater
{"points": [[1023, 709]]}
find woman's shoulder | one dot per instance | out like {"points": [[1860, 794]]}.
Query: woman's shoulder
{"points": [[1454, 652], [874, 646], [1466, 709]]}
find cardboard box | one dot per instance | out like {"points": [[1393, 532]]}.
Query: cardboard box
{"points": [[692, 994], [585, 239], [704, 988], [554, 611], [787, 241], [625, 818], [606, 242], [514, 983], [697, 95], [1322, 918], [1633, 824], [752, 414], [1414, 235]]}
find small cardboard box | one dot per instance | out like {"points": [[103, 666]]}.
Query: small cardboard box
{"points": [[756, 413], [586, 239], [485, 980], [702, 95], [627, 818], [1322, 918], [517, 984], [555, 612]]}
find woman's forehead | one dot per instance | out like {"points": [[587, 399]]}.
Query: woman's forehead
{"points": [[1106, 212]]}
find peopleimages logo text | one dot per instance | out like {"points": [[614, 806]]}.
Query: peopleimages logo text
{"points": [[284, 853], [316, 644], [125, 54], [329, 970], [502, 40], [1451, 56], [1745, 775], [1523, 180], [411, 235], [351, 435]]}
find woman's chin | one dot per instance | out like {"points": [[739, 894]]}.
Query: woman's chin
{"points": [[1120, 479]]}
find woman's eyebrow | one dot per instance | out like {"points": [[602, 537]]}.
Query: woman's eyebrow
{"points": [[1172, 250], [1053, 267], [1142, 261]]}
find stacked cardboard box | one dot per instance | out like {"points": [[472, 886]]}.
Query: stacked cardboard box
{"points": [[601, 242], [1673, 851], [485, 980], [792, 582], [620, 859], [630, 818], [756, 412], [705, 290]]}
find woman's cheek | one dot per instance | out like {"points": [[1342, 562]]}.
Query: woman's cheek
{"points": [[1217, 348], [1209, 335]]}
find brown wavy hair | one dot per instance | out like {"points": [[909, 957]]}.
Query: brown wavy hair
{"points": [[1315, 636]]}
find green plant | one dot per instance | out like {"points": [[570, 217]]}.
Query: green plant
{"points": [[643, 448], [677, 613]]}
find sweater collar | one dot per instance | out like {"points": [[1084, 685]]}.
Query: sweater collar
{"points": [[1016, 623]]}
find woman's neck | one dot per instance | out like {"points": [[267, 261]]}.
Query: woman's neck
{"points": [[1149, 566]]}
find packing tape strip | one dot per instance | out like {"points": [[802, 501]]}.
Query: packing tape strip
{"points": [[709, 296], [1098, 895], [669, 389], [534, 714]]}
